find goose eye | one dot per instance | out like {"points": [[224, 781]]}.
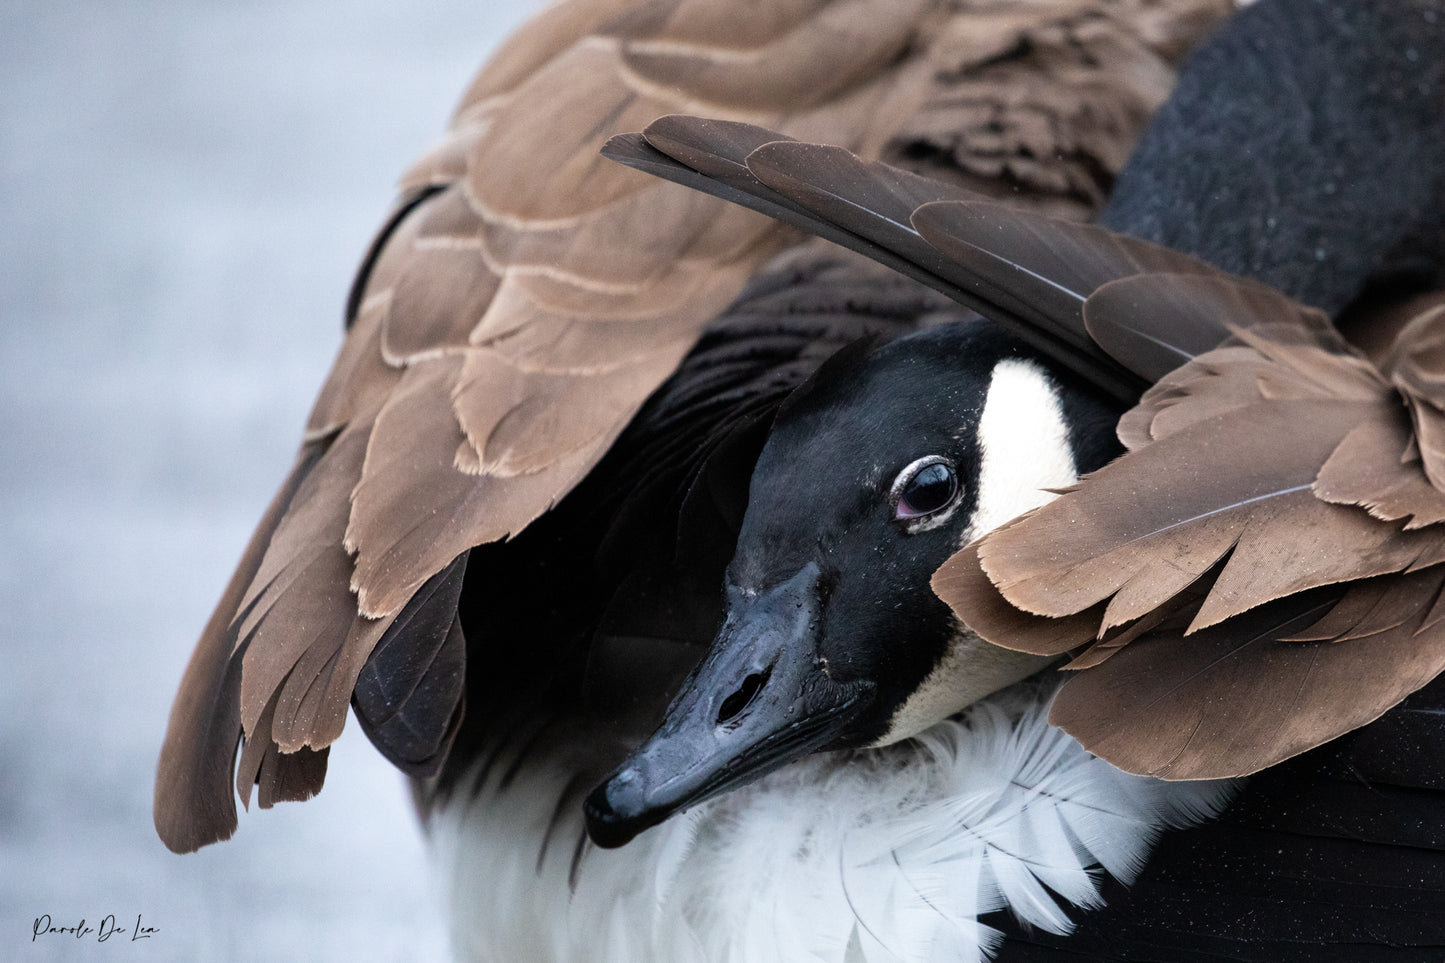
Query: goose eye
{"points": [[926, 487]]}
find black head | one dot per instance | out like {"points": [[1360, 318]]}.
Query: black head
{"points": [[875, 473]]}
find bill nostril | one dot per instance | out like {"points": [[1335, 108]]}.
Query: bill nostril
{"points": [[734, 704]]}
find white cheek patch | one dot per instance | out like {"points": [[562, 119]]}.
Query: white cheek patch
{"points": [[1024, 449], [1023, 444]]}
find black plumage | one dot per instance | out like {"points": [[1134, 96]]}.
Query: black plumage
{"points": [[1307, 862], [576, 630], [642, 544], [1337, 854], [1318, 207]]}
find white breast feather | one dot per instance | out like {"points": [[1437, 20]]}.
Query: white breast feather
{"points": [[857, 857]]}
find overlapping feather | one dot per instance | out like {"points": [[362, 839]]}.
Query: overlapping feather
{"points": [[1269, 461], [527, 296], [1279, 464], [1031, 273]]}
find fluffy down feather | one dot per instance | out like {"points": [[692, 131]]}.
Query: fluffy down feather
{"points": [[1266, 468], [527, 296], [879, 855]]}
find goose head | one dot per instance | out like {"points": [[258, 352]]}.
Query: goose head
{"points": [[875, 472]]}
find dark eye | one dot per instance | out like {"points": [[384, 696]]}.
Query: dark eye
{"points": [[926, 487]]}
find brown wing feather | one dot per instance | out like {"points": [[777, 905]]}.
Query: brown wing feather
{"points": [[1232, 699], [961, 583], [411, 461], [360, 377], [1145, 527], [1236, 478], [1416, 366], [311, 710], [528, 296], [1051, 264], [579, 329], [786, 62], [278, 776], [1377, 467], [295, 602], [193, 802], [1260, 476]]}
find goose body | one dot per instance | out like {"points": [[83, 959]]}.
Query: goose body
{"points": [[728, 507]]}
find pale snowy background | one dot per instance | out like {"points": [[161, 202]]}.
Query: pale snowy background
{"points": [[185, 189]]}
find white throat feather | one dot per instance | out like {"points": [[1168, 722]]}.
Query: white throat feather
{"points": [[874, 855]]}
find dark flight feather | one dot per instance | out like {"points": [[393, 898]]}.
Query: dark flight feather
{"points": [[1270, 459], [862, 206], [1154, 322], [1051, 266], [525, 299], [720, 150], [409, 695], [1226, 482]]}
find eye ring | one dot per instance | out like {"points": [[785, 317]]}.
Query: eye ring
{"points": [[919, 508]]}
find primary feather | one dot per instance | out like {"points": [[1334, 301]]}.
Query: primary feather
{"points": [[527, 296], [507, 333], [1243, 482]]}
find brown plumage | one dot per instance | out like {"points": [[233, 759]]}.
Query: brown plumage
{"points": [[1256, 472], [528, 296], [1262, 570], [1246, 474]]}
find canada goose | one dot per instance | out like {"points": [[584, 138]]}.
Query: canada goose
{"points": [[427, 441], [1261, 572]]}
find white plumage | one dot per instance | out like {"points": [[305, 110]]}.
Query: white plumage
{"points": [[858, 857]]}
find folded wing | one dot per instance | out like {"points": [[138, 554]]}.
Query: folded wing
{"points": [[527, 296], [1272, 535]]}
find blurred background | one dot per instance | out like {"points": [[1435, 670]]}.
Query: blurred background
{"points": [[185, 190]]}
